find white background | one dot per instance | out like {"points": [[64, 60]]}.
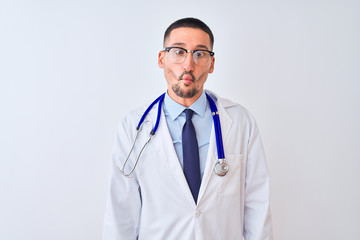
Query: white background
{"points": [[70, 69]]}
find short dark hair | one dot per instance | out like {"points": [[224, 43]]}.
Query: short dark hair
{"points": [[191, 23]]}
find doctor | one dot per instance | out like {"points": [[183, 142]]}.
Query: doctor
{"points": [[174, 192]]}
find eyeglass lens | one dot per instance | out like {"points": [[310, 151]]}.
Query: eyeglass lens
{"points": [[178, 55]]}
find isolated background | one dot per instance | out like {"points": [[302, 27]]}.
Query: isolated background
{"points": [[69, 70]]}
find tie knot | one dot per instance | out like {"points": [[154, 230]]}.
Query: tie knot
{"points": [[189, 113]]}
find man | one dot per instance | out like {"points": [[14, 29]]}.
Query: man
{"points": [[174, 192]]}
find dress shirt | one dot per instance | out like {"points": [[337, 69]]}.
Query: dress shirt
{"points": [[202, 120]]}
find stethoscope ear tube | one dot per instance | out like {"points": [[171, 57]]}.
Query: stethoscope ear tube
{"points": [[153, 131], [128, 174]]}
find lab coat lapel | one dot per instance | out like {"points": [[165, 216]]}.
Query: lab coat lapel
{"points": [[166, 150], [212, 156], [225, 121]]}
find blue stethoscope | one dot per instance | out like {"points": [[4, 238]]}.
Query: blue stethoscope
{"points": [[220, 168]]}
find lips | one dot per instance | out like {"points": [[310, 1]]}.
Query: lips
{"points": [[187, 79]]}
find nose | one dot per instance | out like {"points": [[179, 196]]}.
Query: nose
{"points": [[188, 63]]}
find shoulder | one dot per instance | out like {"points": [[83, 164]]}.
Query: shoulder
{"points": [[131, 119], [233, 109]]}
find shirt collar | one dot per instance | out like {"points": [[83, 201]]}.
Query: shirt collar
{"points": [[174, 109]]}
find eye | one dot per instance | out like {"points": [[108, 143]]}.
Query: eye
{"points": [[179, 51], [200, 54]]}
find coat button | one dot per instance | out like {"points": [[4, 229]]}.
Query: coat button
{"points": [[197, 213]]}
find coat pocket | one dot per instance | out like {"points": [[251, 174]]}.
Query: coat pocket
{"points": [[232, 183]]}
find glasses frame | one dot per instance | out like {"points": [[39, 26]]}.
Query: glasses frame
{"points": [[167, 49]]}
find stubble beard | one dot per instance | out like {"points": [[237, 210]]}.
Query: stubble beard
{"points": [[182, 92]]}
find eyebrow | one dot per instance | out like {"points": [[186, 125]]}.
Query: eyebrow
{"points": [[183, 44]]}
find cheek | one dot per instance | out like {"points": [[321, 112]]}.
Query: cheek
{"points": [[204, 74], [202, 77], [171, 74]]}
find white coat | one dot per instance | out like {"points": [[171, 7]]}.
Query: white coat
{"points": [[157, 203]]}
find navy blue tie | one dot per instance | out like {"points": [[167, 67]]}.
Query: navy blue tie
{"points": [[191, 155]]}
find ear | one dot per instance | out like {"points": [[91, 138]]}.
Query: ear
{"points": [[161, 59], [211, 70]]}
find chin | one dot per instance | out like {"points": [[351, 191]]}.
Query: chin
{"points": [[186, 93]]}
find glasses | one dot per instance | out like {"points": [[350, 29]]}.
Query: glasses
{"points": [[178, 55]]}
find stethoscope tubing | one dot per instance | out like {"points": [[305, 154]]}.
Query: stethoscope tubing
{"points": [[217, 128], [160, 99]]}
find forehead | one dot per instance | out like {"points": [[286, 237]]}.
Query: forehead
{"points": [[186, 36]]}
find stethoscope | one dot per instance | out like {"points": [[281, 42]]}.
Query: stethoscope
{"points": [[220, 168]]}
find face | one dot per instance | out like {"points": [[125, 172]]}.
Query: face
{"points": [[186, 80]]}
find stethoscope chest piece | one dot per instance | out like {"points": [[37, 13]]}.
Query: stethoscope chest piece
{"points": [[221, 168]]}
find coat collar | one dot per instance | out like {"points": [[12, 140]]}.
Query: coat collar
{"points": [[225, 119]]}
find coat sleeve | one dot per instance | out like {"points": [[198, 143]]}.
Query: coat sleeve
{"points": [[257, 219], [123, 205]]}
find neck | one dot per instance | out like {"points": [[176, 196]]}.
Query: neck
{"points": [[186, 102]]}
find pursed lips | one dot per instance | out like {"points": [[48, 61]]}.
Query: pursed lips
{"points": [[188, 78]]}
